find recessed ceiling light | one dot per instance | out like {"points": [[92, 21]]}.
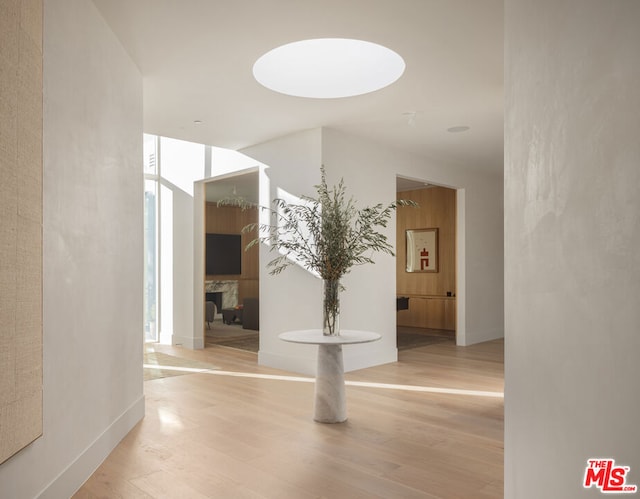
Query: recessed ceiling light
{"points": [[328, 68], [457, 129], [411, 117], [197, 122]]}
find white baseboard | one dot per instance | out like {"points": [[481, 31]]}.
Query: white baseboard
{"points": [[478, 337], [74, 475], [188, 342]]}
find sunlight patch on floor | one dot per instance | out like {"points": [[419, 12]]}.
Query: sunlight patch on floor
{"points": [[301, 379], [365, 384], [176, 368]]}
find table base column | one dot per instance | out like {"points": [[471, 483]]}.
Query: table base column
{"points": [[330, 404]]}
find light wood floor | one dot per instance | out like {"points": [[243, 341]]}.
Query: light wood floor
{"points": [[227, 436]]}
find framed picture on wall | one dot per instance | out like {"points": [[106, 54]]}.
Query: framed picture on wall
{"points": [[422, 250]]}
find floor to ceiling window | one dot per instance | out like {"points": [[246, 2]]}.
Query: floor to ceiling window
{"points": [[170, 168], [150, 238]]}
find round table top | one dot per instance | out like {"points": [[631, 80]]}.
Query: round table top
{"points": [[315, 337]]}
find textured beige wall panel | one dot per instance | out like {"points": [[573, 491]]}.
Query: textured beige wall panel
{"points": [[20, 224], [31, 20]]}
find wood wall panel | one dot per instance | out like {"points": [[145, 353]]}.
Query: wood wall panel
{"points": [[20, 224], [431, 312], [231, 220], [429, 305]]}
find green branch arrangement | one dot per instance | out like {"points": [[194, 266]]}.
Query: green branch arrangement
{"points": [[326, 234]]}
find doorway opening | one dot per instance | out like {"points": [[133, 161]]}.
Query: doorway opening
{"points": [[427, 265], [227, 275]]}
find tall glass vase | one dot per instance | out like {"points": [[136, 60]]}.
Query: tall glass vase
{"points": [[331, 307]]}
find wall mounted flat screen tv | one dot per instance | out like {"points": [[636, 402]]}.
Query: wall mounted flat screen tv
{"points": [[223, 254]]}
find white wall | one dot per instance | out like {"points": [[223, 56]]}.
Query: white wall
{"points": [[182, 266], [483, 273], [292, 300], [180, 164], [183, 167], [480, 281], [369, 301], [92, 263], [572, 239]]}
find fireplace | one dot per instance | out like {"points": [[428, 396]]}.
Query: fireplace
{"points": [[224, 291], [215, 297]]}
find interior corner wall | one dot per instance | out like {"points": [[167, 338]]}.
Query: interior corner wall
{"points": [[572, 233], [480, 282], [291, 300], [369, 301], [184, 168], [369, 171], [479, 286], [92, 254]]}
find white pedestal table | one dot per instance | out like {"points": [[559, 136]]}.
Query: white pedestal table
{"points": [[330, 405]]}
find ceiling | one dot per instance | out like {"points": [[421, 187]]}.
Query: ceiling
{"points": [[196, 59], [245, 188], [239, 187]]}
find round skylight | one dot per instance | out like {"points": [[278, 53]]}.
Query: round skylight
{"points": [[328, 68]]}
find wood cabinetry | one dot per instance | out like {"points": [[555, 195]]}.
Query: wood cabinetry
{"points": [[437, 312]]}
